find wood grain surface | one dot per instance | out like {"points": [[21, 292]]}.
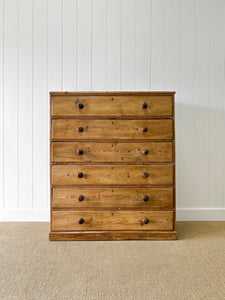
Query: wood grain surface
{"points": [[112, 235], [112, 106], [112, 160], [141, 153], [112, 220], [158, 198], [112, 175], [66, 129]]}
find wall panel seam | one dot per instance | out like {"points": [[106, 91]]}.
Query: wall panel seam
{"points": [[195, 100], [18, 108], [210, 87], [62, 42], [3, 104], [32, 167], [76, 42], [91, 45], [121, 41]]}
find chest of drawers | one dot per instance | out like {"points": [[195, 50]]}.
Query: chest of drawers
{"points": [[112, 165]]}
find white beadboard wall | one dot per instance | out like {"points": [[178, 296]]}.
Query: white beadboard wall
{"points": [[84, 45]]}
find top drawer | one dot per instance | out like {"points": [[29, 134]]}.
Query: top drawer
{"points": [[112, 106]]}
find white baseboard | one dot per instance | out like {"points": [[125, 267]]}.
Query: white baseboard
{"points": [[183, 214], [199, 214], [25, 215]]}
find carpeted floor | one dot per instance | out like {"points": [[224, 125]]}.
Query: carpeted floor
{"points": [[193, 267]]}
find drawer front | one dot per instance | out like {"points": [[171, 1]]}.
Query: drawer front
{"points": [[141, 198], [63, 129], [83, 175], [112, 220], [112, 106], [112, 152]]}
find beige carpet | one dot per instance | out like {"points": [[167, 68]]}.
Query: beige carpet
{"points": [[193, 267]]}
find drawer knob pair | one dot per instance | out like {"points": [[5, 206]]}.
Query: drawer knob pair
{"points": [[145, 198], [81, 151], [81, 221], [80, 174], [81, 129]]}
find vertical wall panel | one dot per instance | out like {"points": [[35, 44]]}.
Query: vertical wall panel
{"points": [[1, 104], [113, 45], [187, 102], [11, 104], [172, 71], [40, 106], [158, 49], [69, 20], [142, 58], [25, 94], [172, 42], [128, 45], [217, 99], [99, 43], [55, 46], [84, 64], [202, 102]]}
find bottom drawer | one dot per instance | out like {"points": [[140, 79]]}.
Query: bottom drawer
{"points": [[111, 220]]}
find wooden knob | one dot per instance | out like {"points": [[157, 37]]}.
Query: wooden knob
{"points": [[80, 151], [145, 220], [144, 129], [145, 151], [80, 197], [80, 129], [80, 175], [144, 105], [145, 174], [145, 198], [80, 105], [81, 221]]}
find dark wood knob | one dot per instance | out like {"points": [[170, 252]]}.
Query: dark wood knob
{"points": [[145, 151], [145, 174], [80, 175], [144, 129], [80, 197], [145, 220], [80, 151], [81, 221], [144, 105], [145, 198], [80, 129], [80, 105]]}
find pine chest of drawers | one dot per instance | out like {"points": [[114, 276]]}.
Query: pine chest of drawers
{"points": [[112, 165]]}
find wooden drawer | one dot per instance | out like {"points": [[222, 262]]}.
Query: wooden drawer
{"points": [[112, 220], [66, 129], [141, 198], [141, 153], [112, 106], [83, 175]]}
